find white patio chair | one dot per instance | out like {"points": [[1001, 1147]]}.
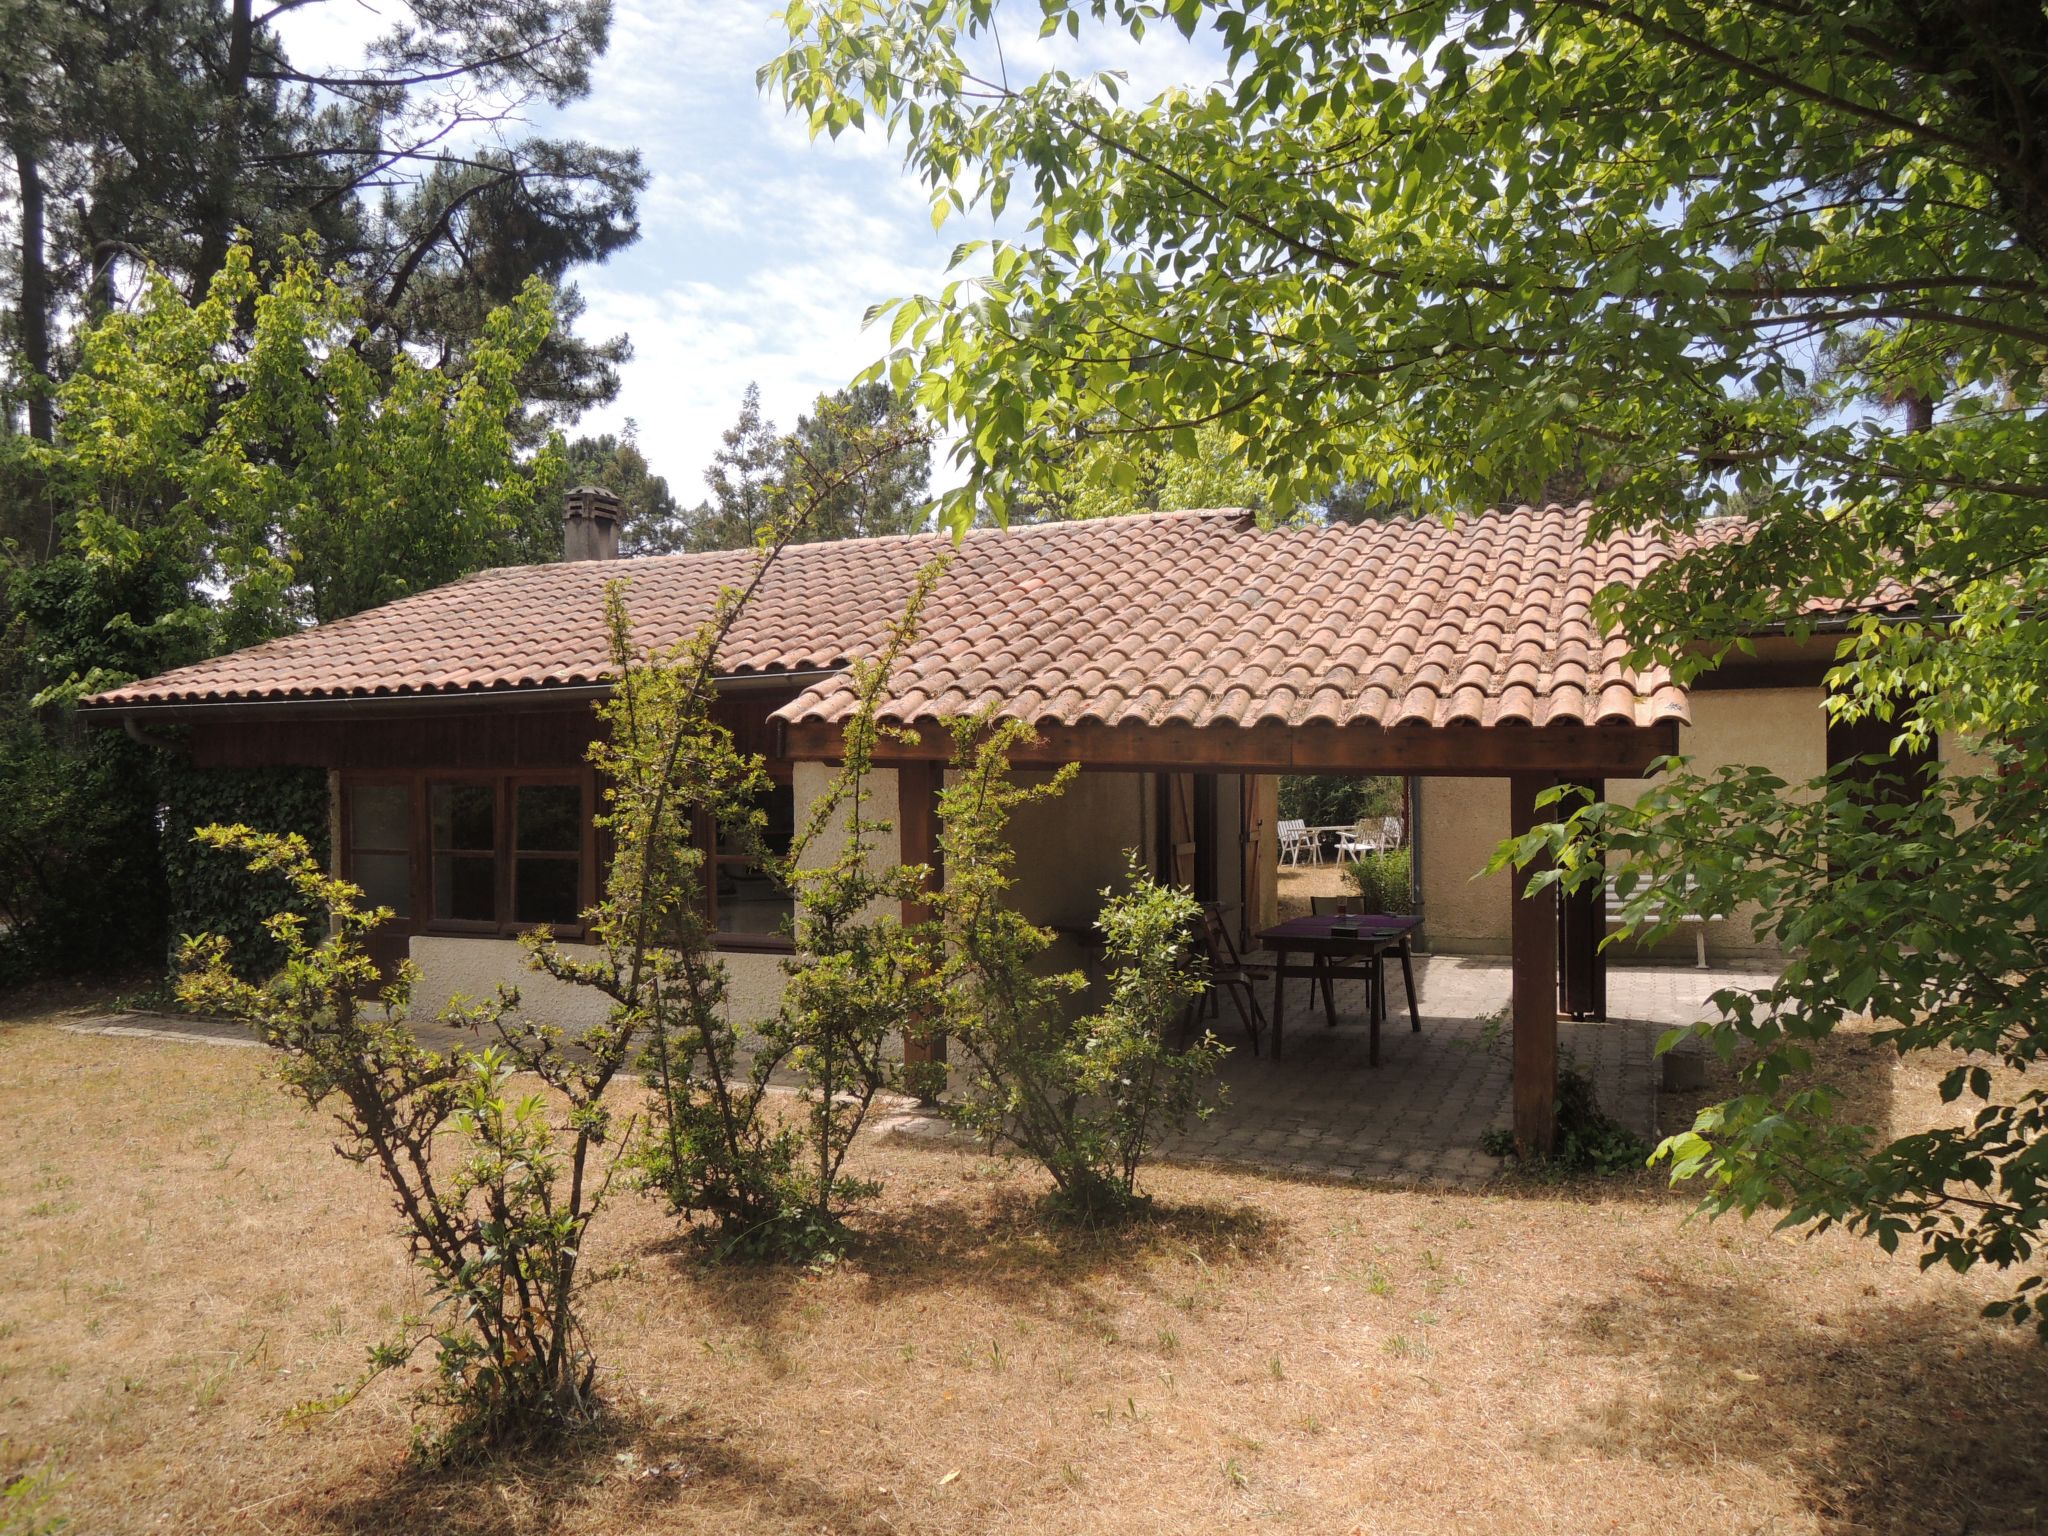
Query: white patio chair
{"points": [[1390, 832], [1295, 840], [1356, 844]]}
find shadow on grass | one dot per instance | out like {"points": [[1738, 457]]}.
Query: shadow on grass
{"points": [[629, 1467], [1862, 1072], [1008, 1243], [997, 1239], [1910, 1418]]}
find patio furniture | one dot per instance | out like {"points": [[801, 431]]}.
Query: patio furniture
{"points": [[1343, 946], [1356, 843], [1329, 906], [1656, 908], [1296, 839], [1390, 832], [1228, 972]]}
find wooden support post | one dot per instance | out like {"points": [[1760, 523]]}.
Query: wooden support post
{"points": [[1534, 935], [917, 838], [1581, 925]]}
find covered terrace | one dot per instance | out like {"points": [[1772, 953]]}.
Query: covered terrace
{"points": [[1196, 647]]}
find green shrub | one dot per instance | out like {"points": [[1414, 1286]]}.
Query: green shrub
{"points": [[495, 1184], [81, 884], [206, 893], [771, 1188], [1087, 1097], [1588, 1139], [26, 1496], [1384, 881]]}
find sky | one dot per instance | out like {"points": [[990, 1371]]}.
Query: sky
{"points": [[760, 250]]}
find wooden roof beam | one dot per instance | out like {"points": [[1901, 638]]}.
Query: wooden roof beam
{"points": [[1602, 751]]}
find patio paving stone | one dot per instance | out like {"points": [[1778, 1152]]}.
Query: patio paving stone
{"points": [[1321, 1112]]}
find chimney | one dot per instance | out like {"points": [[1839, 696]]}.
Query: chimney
{"points": [[590, 524]]}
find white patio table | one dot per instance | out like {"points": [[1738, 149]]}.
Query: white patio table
{"points": [[1342, 829]]}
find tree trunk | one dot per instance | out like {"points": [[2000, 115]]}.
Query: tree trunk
{"points": [[34, 318], [218, 228]]}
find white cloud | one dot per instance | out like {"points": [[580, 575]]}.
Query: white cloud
{"points": [[760, 248]]}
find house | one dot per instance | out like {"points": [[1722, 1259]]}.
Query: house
{"points": [[1766, 710], [1184, 660]]}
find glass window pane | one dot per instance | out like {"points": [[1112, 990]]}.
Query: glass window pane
{"points": [[550, 818], [466, 887], [547, 890], [778, 830], [386, 879], [380, 816], [750, 900], [465, 816]]}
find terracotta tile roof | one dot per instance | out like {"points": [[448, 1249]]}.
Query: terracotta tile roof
{"points": [[538, 626], [1201, 619], [1194, 617], [1890, 597]]}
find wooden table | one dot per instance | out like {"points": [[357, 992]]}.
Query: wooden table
{"points": [[1359, 952]]}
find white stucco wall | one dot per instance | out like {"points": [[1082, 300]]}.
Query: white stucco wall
{"points": [[811, 780], [1464, 820], [1072, 847], [453, 965], [1264, 835], [1784, 730], [472, 969], [1461, 822]]}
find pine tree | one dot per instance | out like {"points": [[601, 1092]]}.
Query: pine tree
{"points": [[888, 497], [651, 520], [146, 133], [754, 462], [743, 478]]}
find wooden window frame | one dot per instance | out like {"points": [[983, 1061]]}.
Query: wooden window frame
{"points": [[504, 784], [781, 772], [593, 855], [514, 854], [347, 851], [501, 875]]}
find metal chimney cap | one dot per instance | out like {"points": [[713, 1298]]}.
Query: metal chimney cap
{"points": [[590, 501]]}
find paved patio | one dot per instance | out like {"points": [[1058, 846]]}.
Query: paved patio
{"points": [[1320, 1111], [1418, 1117]]}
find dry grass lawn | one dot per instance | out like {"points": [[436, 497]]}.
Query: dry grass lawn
{"points": [[182, 1259], [1299, 882]]}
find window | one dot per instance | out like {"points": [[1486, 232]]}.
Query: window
{"points": [[507, 852], [748, 903], [464, 818], [1860, 751], [547, 853], [495, 853], [380, 843]]}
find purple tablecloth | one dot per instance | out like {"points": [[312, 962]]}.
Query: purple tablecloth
{"points": [[1320, 925]]}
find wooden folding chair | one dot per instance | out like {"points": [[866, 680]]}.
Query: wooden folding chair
{"points": [[1228, 972]]}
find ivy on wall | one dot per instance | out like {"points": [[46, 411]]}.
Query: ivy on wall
{"points": [[81, 886], [212, 893]]}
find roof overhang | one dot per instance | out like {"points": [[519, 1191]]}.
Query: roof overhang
{"points": [[1563, 751], [360, 706]]}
